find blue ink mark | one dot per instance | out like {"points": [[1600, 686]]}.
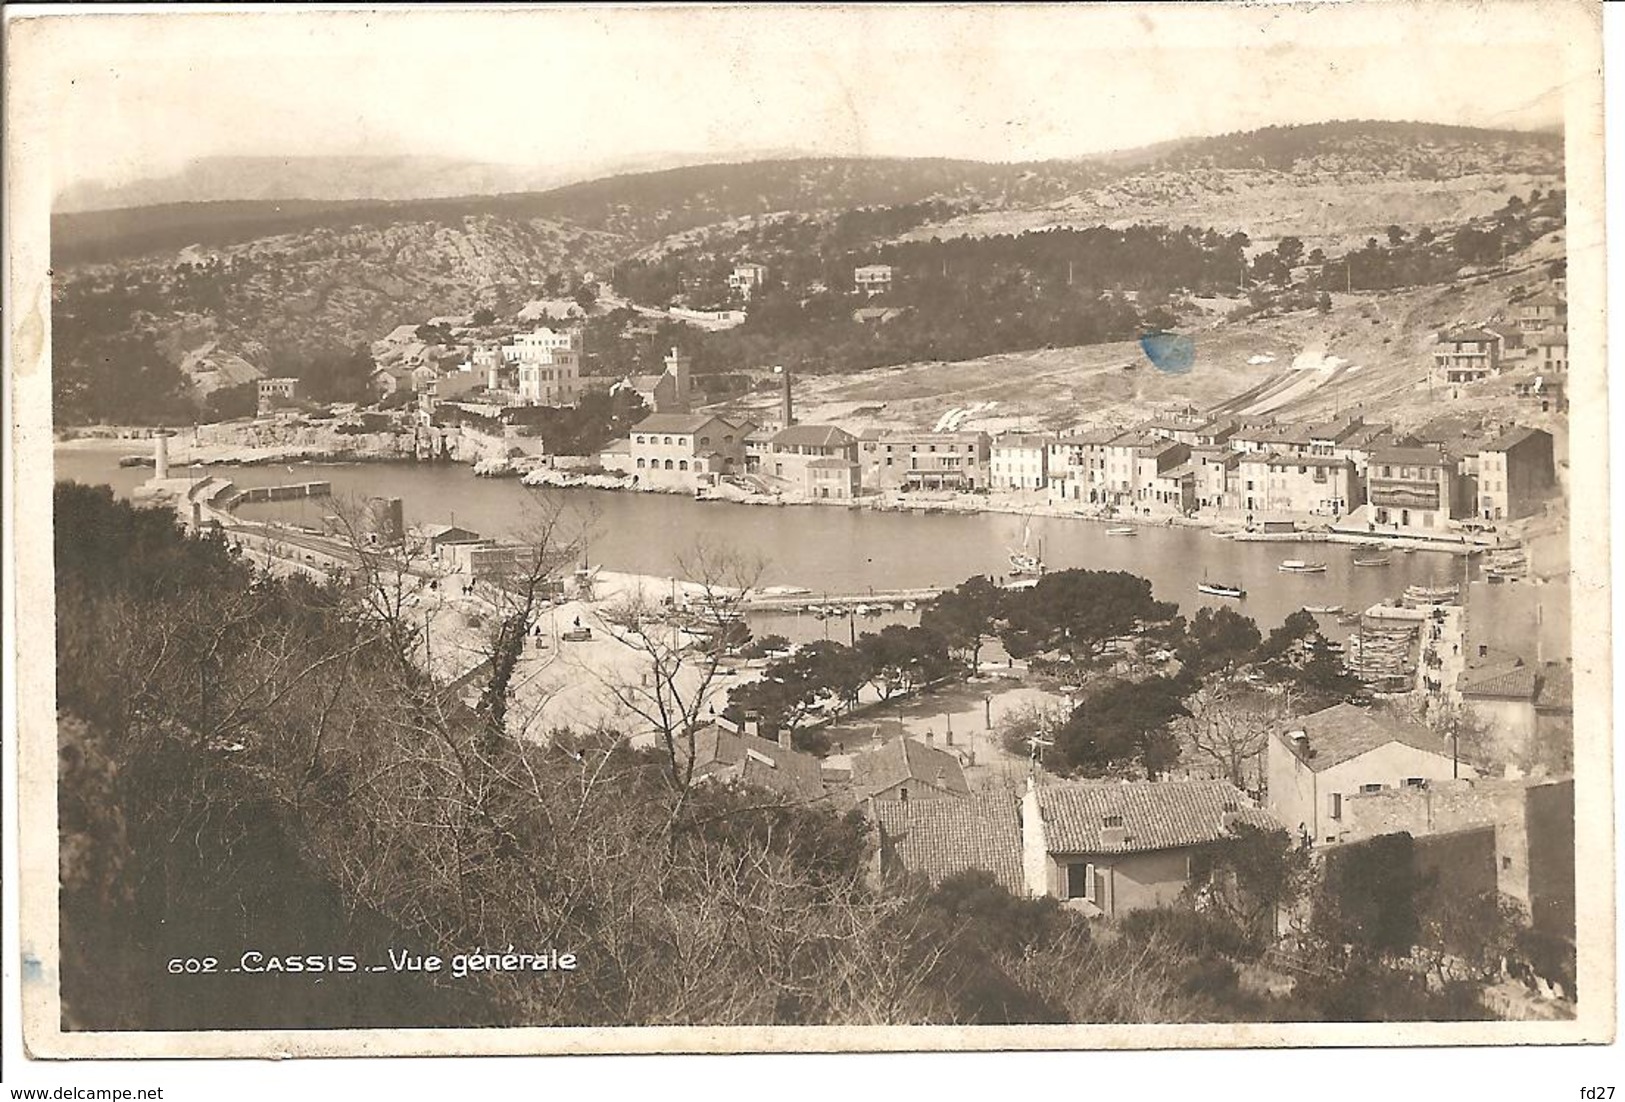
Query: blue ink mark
{"points": [[33, 969], [1171, 353]]}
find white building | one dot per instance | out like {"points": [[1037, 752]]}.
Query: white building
{"points": [[1019, 461], [872, 279], [549, 366], [747, 278], [1346, 751]]}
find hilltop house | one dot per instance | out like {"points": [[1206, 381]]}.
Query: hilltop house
{"points": [[280, 391], [872, 279], [905, 769], [1344, 750], [747, 278], [1468, 355], [1543, 314], [1552, 353]]}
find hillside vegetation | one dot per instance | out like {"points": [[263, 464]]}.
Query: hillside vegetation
{"points": [[187, 298]]}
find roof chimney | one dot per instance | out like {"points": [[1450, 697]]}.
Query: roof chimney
{"points": [[930, 739], [784, 738], [753, 728], [1300, 741]]}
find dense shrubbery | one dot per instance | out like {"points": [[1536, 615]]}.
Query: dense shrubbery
{"points": [[248, 763]]}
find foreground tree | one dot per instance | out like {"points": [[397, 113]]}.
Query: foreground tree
{"points": [[1123, 728]]}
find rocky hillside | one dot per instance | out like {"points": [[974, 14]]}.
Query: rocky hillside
{"points": [[1332, 184], [226, 316], [224, 289]]}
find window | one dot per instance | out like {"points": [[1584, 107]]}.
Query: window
{"points": [[704, 440], [1506, 862], [1334, 805], [640, 462], [682, 464], [640, 439], [667, 440], [1372, 787], [1112, 821], [1415, 782]]}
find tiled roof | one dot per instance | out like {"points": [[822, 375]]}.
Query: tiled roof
{"points": [[830, 463], [1096, 438], [813, 436], [1335, 431], [1021, 440], [1556, 687], [942, 837], [1275, 434], [1276, 460], [673, 422], [1153, 816], [731, 755], [435, 531], [1343, 732], [1459, 336], [903, 759], [1544, 298], [1505, 683], [1513, 437], [1422, 457]]}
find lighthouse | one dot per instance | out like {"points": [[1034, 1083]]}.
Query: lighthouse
{"points": [[160, 454]]}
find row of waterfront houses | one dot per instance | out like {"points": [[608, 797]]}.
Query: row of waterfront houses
{"points": [[1165, 467], [1415, 482]]}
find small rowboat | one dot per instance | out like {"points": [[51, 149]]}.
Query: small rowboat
{"points": [[1123, 530], [1323, 610], [1372, 560], [1215, 589], [1298, 566]]}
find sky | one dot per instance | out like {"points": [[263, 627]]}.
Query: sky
{"points": [[137, 94]]}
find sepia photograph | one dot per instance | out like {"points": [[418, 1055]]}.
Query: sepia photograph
{"points": [[832, 528]]}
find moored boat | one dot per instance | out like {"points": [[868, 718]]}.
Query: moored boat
{"points": [[1217, 589], [1298, 566], [1122, 530], [1372, 560], [1323, 610]]}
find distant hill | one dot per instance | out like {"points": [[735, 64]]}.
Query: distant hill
{"points": [[273, 279], [228, 179], [643, 206], [1418, 149]]}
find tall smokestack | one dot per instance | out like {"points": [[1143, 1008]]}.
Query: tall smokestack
{"points": [[786, 407], [160, 454]]}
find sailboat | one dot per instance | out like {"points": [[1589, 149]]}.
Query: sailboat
{"points": [[1023, 561]]}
